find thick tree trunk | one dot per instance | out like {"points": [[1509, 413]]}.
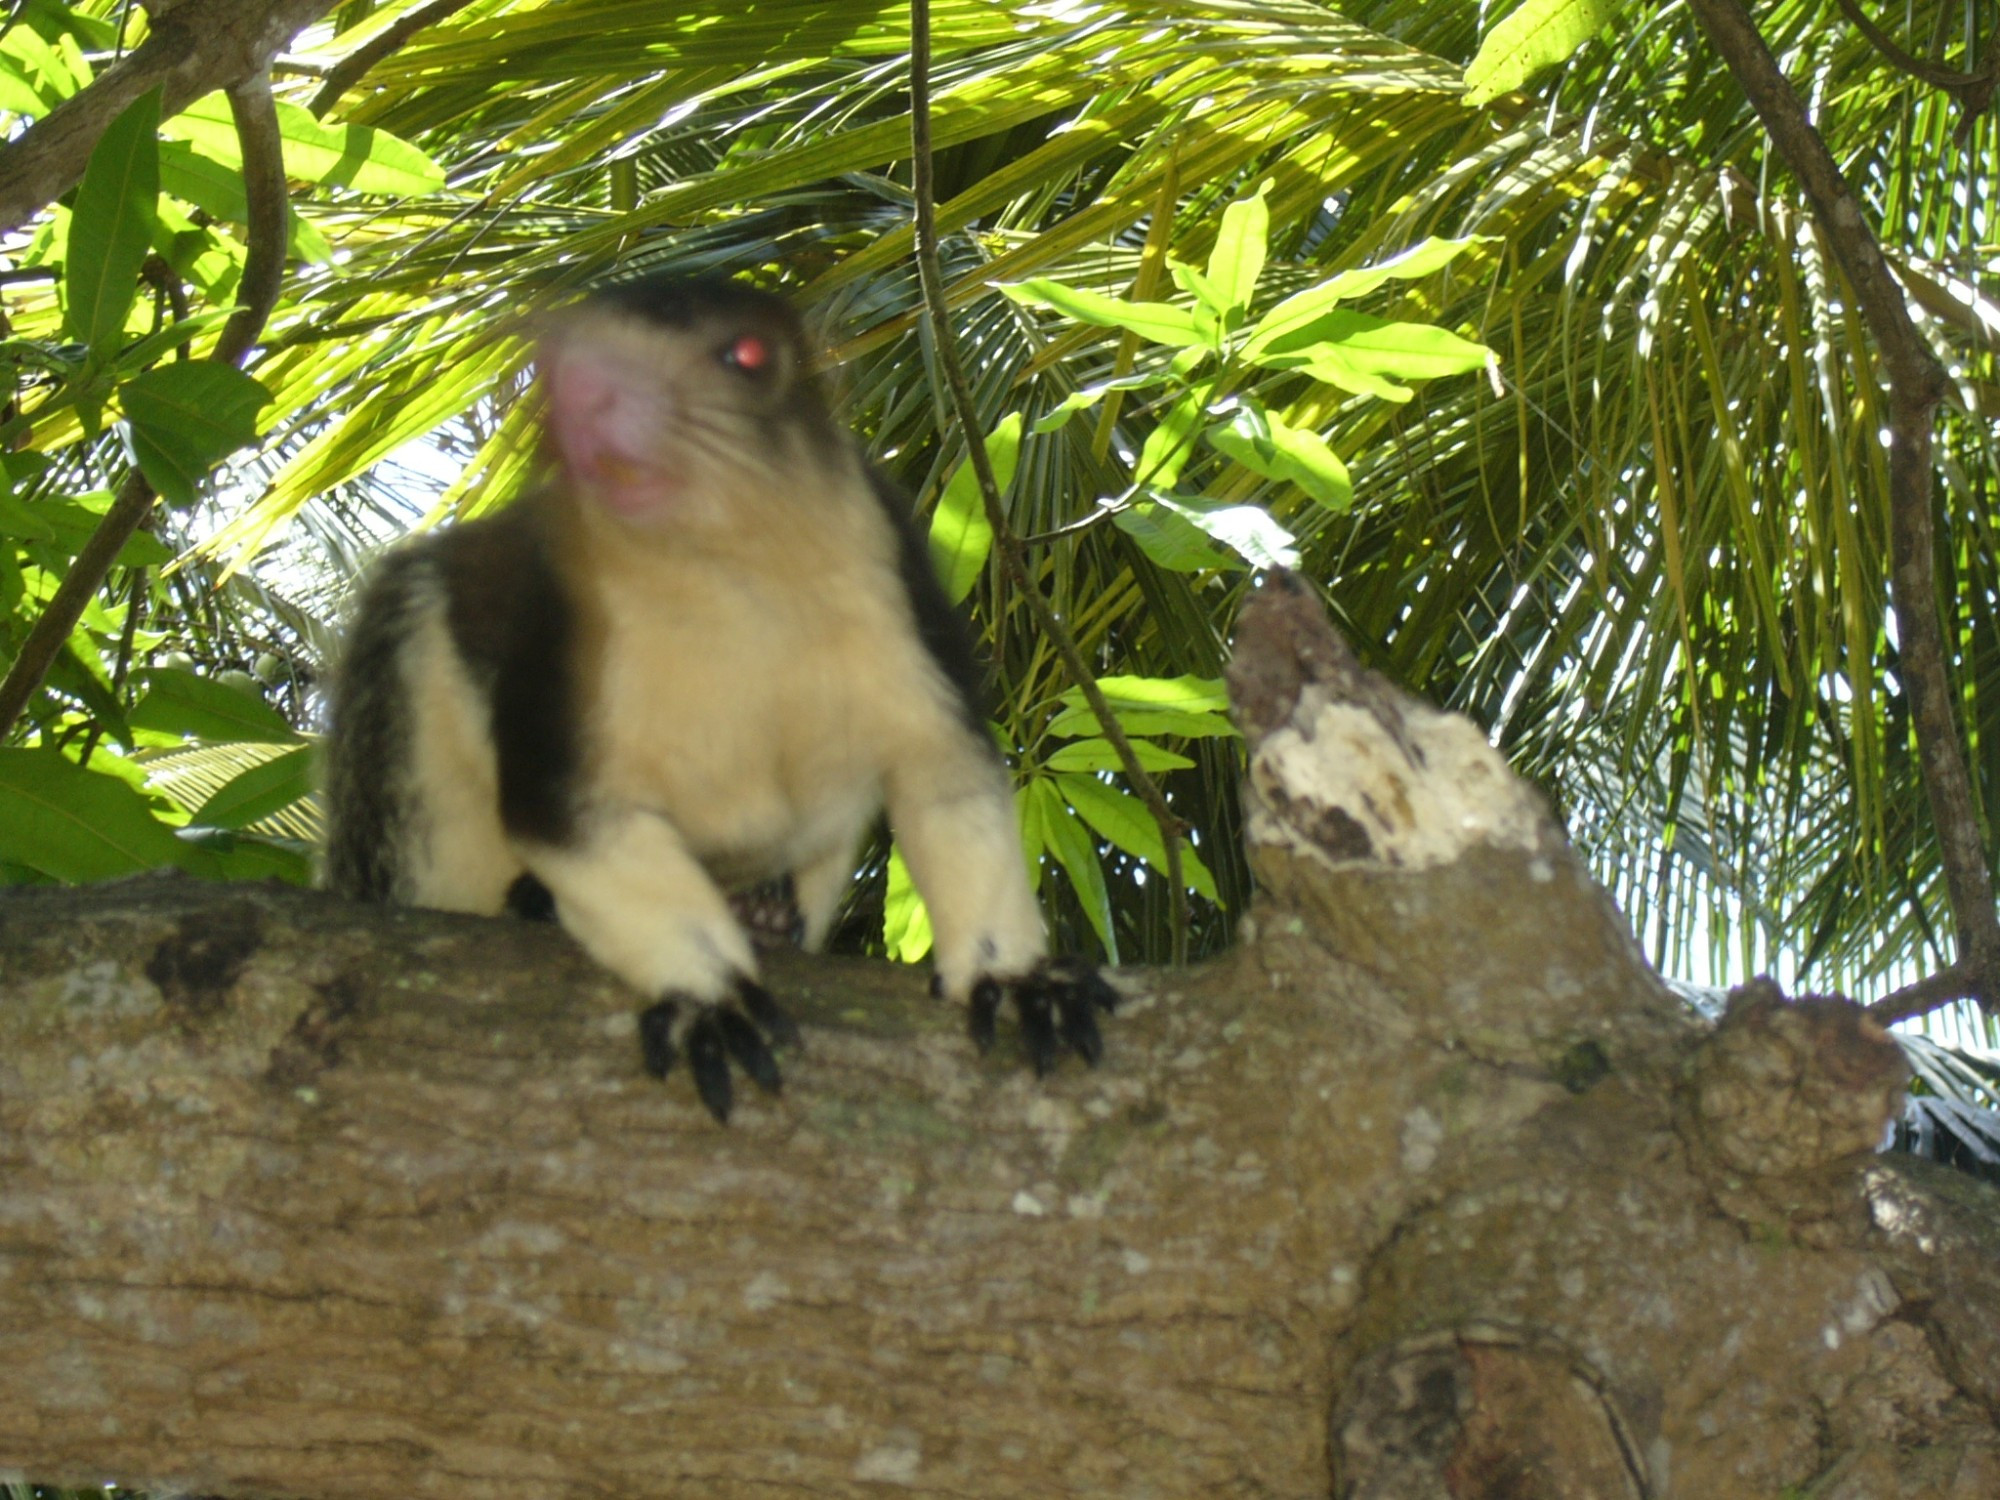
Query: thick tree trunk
{"points": [[1428, 1190]]}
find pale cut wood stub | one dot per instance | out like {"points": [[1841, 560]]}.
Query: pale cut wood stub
{"points": [[1427, 1190]]}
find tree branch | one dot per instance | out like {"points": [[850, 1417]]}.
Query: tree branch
{"points": [[306, 1197], [1916, 383], [256, 116], [1012, 558], [199, 46], [351, 68]]}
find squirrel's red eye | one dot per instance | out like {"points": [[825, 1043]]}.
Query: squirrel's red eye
{"points": [[747, 353]]}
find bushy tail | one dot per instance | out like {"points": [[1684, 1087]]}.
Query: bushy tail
{"points": [[368, 746]]}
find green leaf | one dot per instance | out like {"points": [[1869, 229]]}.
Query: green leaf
{"points": [[183, 417], [72, 824], [74, 520], [360, 157], [17, 519], [1538, 35], [49, 76], [1237, 259], [1250, 531], [906, 921], [960, 535], [217, 188], [68, 674], [1122, 818], [1159, 321], [1169, 445], [1266, 445], [260, 791], [246, 856], [1301, 309], [1204, 695], [111, 226], [1370, 355], [1090, 395], [178, 702], [1102, 755], [1073, 849], [1166, 538]]}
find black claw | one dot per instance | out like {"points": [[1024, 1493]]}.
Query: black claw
{"points": [[746, 1044], [708, 1058], [767, 1013], [656, 1037], [985, 1006], [528, 898], [1038, 1030], [1079, 1023]]}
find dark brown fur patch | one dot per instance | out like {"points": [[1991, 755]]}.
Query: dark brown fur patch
{"points": [[197, 967]]}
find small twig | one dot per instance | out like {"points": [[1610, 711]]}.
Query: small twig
{"points": [[1916, 382], [256, 118], [349, 71], [1974, 91], [1005, 543]]}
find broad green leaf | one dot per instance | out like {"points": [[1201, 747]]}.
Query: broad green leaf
{"points": [[212, 261], [1302, 308], [217, 188], [1168, 721], [1169, 445], [1370, 355], [1090, 395], [1165, 536], [1266, 445], [49, 74], [178, 702], [156, 346], [1122, 818], [1250, 531], [73, 824], [184, 417], [906, 922], [1073, 849], [17, 519], [111, 226], [232, 856], [1237, 259], [69, 674], [961, 538], [75, 519], [1161, 322], [1538, 35], [1210, 303], [352, 156], [1188, 692], [17, 94], [259, 791], [1102, 755]]}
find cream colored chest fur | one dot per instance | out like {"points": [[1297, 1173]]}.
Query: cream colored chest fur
{"points": [[757, 714]]}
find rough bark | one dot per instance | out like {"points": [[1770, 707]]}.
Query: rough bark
{"points": [[1427, 1190]]}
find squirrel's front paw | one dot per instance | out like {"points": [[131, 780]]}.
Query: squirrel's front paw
{"points": [[710, 1033], [1056, 1002]]}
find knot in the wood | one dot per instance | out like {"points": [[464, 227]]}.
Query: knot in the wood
{"points": [[1786, 1086], [1345, 765]]}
